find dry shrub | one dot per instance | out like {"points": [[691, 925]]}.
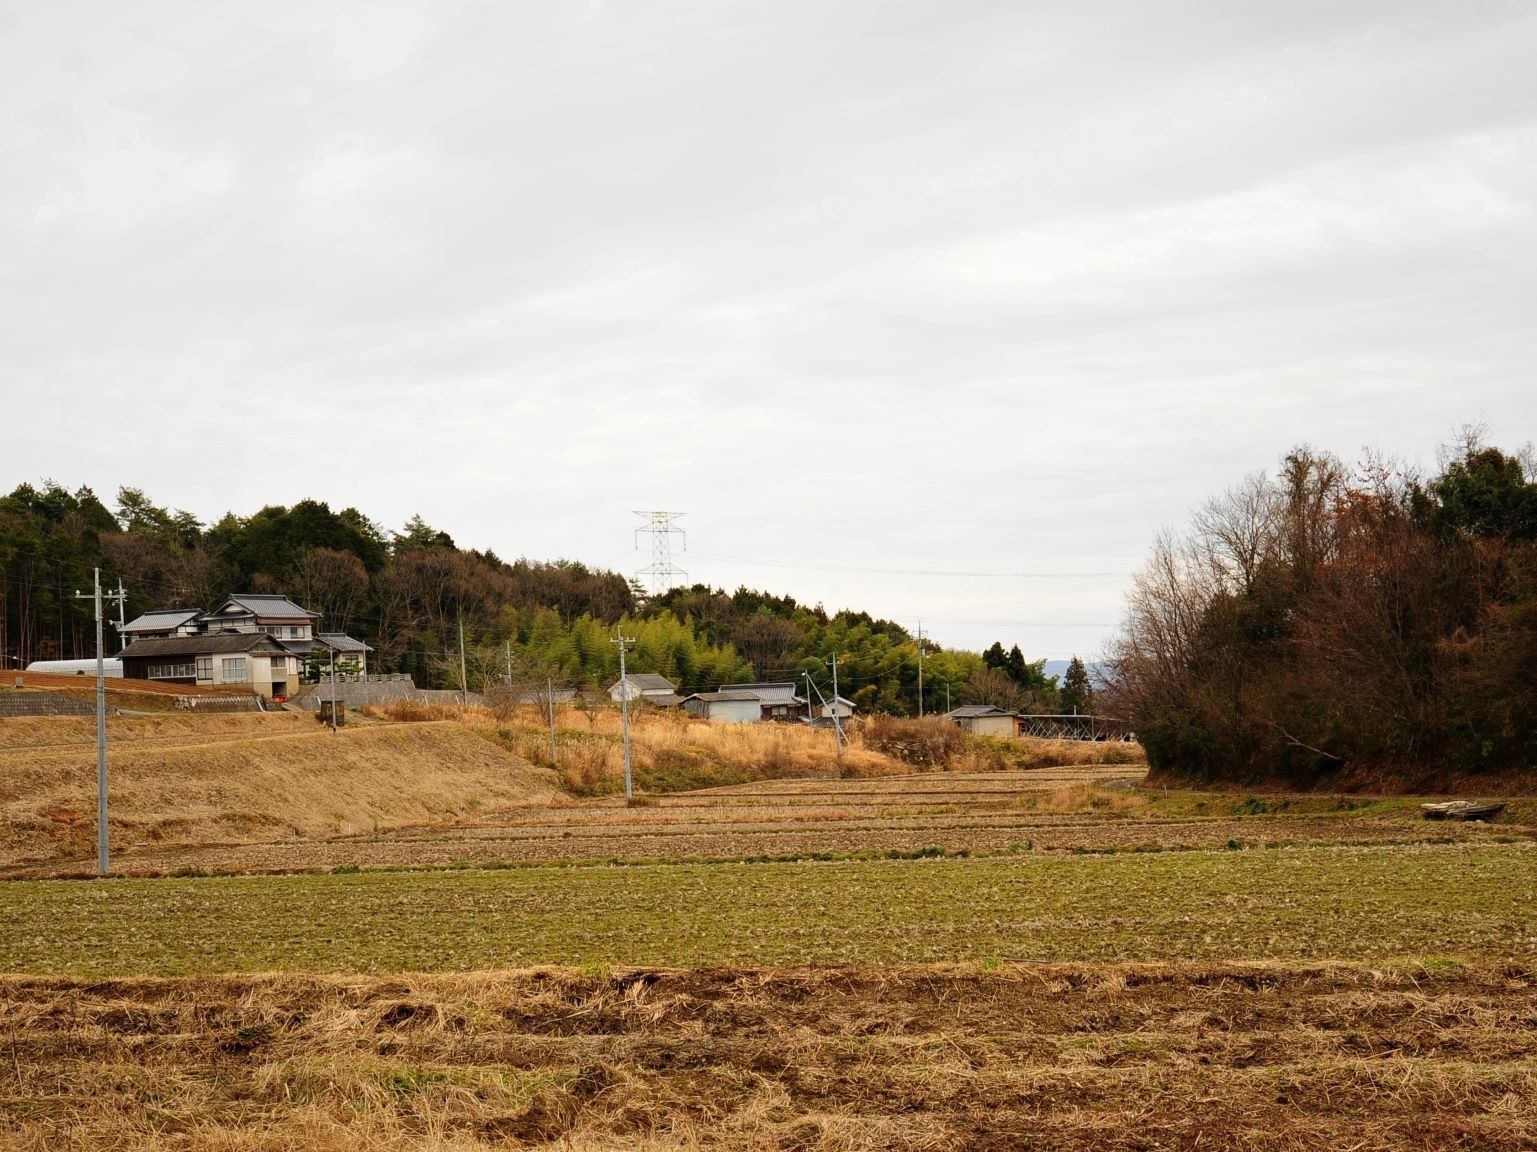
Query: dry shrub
{"points": [[587, 767], [418, 711], [930, 742]]}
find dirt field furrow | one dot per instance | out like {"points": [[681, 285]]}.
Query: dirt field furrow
{"points": [[1226, 1056]]}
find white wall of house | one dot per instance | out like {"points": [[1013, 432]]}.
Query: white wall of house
{"points": [[734, 712], [989, 725], [256, 670]]}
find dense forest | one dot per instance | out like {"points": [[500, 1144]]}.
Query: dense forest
{"points": [[408, 592], [1364, 622]]}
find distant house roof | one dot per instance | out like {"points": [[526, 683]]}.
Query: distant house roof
{"points": [[664, 700], [206, 645], [647, 682], [724, 695], [261, 605], [769, 692], [341, 642], [161, 620], [972, 711]]}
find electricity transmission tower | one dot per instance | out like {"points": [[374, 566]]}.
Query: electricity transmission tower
{"points": [[662, 573]]}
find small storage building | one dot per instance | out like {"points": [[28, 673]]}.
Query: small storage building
{"points": [[725, 707], [983, 719]]}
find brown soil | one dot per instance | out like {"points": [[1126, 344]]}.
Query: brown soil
{"points": [[1230, 1056], [55, 682], [1064, 810]]}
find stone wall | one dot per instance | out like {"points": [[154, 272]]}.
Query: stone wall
{"points": [[35, 703]]}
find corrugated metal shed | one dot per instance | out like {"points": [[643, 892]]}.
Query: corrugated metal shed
{"points": [[341, 642]]}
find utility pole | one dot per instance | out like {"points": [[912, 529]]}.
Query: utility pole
{"points": [[464, 676], [509, 663], [624, 711], [549, 695], [920, 669], [332, 647], [101, 722], [809, 717], [837, 722]]}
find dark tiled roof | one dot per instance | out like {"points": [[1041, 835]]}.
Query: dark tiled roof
{"points": [[724, 696], [972, 711], [262, 605], [647, 682], [201, 645]]}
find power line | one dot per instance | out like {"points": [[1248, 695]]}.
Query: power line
{"points": [[912, 571]]}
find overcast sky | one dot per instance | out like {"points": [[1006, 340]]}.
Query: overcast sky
{"points": [[939, 310]]}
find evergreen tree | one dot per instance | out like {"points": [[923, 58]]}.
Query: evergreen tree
{"points": [[1076, 695]]}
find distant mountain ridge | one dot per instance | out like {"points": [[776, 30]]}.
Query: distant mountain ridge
{"points": [[1095, 669]]}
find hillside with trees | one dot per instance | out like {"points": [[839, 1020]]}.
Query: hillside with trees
{"points": [[1337, 623], [408, 592]]}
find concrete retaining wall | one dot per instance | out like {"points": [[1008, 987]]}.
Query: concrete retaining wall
{"points": [[44, 704]]}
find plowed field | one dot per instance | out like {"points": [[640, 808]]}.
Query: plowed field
{"points": [[1198, 1056], [1088, 809]]}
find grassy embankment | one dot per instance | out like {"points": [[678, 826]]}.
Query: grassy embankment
{"points": [[182, 778]]}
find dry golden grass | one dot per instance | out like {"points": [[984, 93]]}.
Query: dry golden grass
{"points": [[991, 754], [671, 750], [1086, 798], [974, 1057], [223, 779]]}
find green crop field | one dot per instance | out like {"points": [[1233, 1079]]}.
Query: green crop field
{"points": [[1383, 904]]}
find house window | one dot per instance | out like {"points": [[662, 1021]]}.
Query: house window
{"points": [[295, 633], [205, 667], [170, 671], [234, 668]]}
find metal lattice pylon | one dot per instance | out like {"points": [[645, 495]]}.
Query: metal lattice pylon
{"points": [[662, 573]]}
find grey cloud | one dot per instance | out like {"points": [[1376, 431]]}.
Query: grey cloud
{"points": [[994, 285]]}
